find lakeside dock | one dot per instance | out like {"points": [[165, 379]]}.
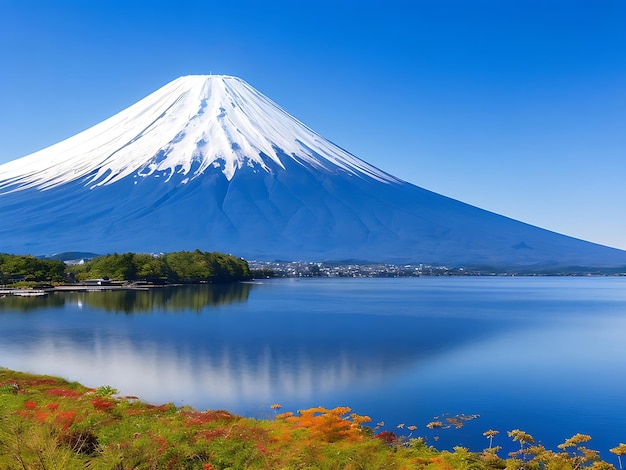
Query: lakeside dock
{"points": [[8, 292], [25, 292]]}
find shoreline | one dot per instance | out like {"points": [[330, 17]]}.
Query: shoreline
{"points": [[17, 292], [82, 427]]}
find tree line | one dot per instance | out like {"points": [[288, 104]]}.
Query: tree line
{"points": [[181, 266], [15, 268]]}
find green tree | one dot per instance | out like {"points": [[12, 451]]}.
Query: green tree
{"points": [[181, 266], [30, 268], [149, 267]]}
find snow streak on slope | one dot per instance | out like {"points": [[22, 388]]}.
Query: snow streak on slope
{"points": [[185, 127]]}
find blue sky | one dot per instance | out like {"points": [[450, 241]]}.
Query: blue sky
{"points": [[518, 107]]}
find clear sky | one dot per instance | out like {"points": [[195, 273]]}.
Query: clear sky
{"points": [[518, 107]]}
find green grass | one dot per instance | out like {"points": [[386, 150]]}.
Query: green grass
{"points": [[49, 423]]}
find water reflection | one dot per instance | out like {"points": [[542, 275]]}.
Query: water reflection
{"points": [[542, 355], [233, 378], [167, 299], [26, 304], [220, 351], [229, 360]]}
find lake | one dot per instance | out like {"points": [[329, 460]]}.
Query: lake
{"points": [[543, 354]]}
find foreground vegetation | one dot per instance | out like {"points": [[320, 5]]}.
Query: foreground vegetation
{"points": [[47, 423], [181, 266]]}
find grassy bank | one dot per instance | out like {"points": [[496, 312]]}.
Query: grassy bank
{"points": [[49, 423]]}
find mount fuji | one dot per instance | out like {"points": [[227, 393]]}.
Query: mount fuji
{"points": [[208, 162]]}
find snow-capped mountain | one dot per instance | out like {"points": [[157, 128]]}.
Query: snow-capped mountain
{"points": [[186, 127], [209, 162]]}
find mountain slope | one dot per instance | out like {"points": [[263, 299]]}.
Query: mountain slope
{"points": [[208, 162]]}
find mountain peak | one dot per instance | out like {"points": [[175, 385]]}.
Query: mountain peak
{"points": [[208, 162], [193, 123], [201, 79], [210, 76]]}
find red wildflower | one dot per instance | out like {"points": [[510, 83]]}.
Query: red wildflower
{"points": [[64, 392], [162, 443], [38, 382], [41, 416], [197, 418], [102, 404], [386, 436], [65, 419]]}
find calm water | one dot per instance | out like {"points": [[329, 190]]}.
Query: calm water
{"points": [[546, 355]]}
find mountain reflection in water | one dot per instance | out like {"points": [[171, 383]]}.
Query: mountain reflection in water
{"points": [[224, 355], [167, 299], [538, 354]]}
